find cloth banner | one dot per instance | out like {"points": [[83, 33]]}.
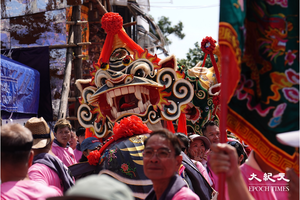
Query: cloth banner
{"points": [[260, 43]]}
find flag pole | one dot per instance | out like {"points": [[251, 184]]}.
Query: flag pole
{"points": [[223, 134]]}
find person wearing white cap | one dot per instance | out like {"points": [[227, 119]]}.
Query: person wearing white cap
{"points": [[198, 146]]}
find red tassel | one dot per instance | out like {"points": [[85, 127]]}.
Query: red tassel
{"points": [[170, 126], [205, 55], [182, 124], [215, 67], [88, 133]]}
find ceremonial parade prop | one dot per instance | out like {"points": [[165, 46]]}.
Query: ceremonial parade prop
{"points": [[129, 89], [205, 104]]}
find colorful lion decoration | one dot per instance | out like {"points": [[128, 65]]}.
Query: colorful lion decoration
{"points": [[131, 92], [130, 81]]}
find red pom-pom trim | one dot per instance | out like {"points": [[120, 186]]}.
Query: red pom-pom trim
{"points": [[130, 126], [94, 157], [208, 45], [112, 23]]}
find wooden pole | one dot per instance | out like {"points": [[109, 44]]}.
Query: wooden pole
{"points": [[58, 46], [62, 112], [223, 118], [76, 22], [100, 7], [78, 59], [75, 37]]}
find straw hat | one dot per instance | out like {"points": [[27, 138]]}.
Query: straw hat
{"points": [[40, 132]]}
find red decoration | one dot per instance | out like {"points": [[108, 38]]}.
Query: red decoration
{"points": [[170, 126], [112, 23], [126, 60], [208, 45], [94, 157], [124, 166], [182, 128], [216, 100], [130, 126]]}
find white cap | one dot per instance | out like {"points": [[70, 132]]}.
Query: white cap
{"points": [[289, 138]]}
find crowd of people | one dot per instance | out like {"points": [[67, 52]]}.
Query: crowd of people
{"points": [[35, 161]]}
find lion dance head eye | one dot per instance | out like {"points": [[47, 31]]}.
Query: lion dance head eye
{"points": [[104, 66], [126, 60], [128, 79], [109, 83], [140, 73]]}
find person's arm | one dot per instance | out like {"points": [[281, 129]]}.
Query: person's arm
{"points": [[224, 159]]}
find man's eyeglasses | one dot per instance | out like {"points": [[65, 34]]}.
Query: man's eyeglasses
{"points": [[160, 153]]}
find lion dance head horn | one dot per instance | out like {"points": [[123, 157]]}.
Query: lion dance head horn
{"points": [[116, 37]]}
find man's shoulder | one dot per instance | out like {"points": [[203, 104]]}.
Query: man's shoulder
{"points": [[38, 167], [28, 185], [185, 193]]}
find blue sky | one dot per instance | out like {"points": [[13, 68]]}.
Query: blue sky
{"points": [[199, 17]]}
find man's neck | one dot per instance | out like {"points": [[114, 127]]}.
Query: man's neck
{"points": [[39, 151], [61, 144], [159, 186], [11, 173]]}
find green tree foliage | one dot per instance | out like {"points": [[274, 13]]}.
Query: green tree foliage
{"points": [[167, 29], [194, 56]]}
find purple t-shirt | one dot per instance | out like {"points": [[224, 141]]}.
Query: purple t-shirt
{"points": [[43, 174], [27, 190]]}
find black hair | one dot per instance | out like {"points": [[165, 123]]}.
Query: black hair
{"points": [[184, 139], [208, 123], [80, 131], [169, 136], [239, 149]]}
